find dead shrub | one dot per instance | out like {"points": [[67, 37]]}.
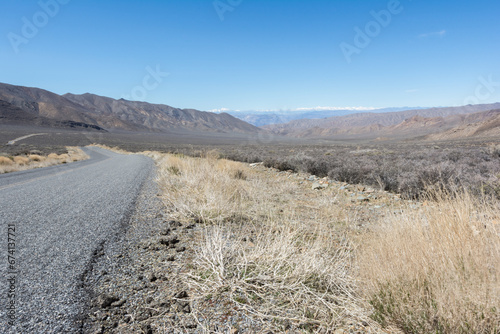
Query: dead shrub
{"points": [[291, 267], [21, 161], [36, 158], [5, 161]]}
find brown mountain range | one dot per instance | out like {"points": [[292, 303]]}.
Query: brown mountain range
{"points": [[404, 124], [111, 114], [485, 124]]}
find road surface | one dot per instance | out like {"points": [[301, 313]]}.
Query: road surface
{"points": [[61, 216], [12, 142]]}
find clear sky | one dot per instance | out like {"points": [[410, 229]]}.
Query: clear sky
{"points": [[257, 54]]}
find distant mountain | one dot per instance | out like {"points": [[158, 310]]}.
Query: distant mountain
{"points": [[484, 124], [159, 117], [409, 123], [111, 114], [10, 114], [262, 118]]}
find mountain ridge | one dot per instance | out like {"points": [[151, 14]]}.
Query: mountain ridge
{"points": [[112, 114]]}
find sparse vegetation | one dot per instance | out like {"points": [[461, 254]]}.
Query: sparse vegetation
{"points": [[6, 161], [277, 250], [30, 161], [267, 255], [405, 169]]}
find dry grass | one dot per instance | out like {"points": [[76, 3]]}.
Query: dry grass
{"points": [[276, 255], [437, 269], [283, 252], [115, 149], [36, 158], [5, 161], [21, 161], [37, 161]]}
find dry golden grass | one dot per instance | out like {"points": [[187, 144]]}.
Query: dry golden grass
{"points": [[284, 252], [277, 255], [5, 161], [21, 161], [115, 149], [36, 161], [36, 158], [436, 270]]}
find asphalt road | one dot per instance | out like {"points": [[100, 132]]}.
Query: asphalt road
{"points": [[62, 215]]}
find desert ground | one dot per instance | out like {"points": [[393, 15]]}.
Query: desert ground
{"points": [[280, 235]]}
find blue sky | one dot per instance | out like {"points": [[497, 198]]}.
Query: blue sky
{"points": [[257, 54]]}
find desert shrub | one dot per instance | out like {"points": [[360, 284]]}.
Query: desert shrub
{"points": [[63, 157], [21, 161], [5, 161], [36, 157], [281, 165], [53, 156], [256, 249], [239, 174], [316, 167], [174, 170]]}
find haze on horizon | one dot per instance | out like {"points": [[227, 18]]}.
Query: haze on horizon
{"points": [[257, 55]]}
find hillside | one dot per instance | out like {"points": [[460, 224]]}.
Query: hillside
{"points": [[12, 115], [159, 117], [485, 124], [372, 125], [262, 118], [112, 114]]}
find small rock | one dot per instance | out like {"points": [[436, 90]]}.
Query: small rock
{"points": [[105, 301], [164, 304], [181, 295], [174, 223], [165, 232], [319, 186], [180, 249], [169, 241], [151, 277], [119, 303]]}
